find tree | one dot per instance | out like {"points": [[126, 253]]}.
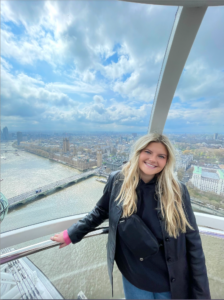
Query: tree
{"points": [[180, 173], [190, 172], [186, 152]]}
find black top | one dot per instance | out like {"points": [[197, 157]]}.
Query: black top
{"points": [[150, 274]]}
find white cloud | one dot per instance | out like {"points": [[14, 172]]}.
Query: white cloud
{"points": [[77, 37], [200, 81]]}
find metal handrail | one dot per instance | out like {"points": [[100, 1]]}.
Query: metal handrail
{"points": [[16, 254]]}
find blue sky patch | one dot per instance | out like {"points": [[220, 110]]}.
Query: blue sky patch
{"points": [[16, 29]]}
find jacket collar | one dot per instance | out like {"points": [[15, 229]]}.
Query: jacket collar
{"points": [[120, 178]]}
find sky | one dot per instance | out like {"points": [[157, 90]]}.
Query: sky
{"points": [[94, 66]]}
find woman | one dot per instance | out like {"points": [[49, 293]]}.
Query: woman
{"points": [[153, 235]]}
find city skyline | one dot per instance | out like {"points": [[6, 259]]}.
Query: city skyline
{"points": [[62, 67], [89, 132]]}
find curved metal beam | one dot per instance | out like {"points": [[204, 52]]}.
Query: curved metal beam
{"points": [[186, 3], [185, 28]]}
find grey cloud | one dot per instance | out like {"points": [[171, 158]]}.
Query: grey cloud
{"points": [[98, 99], [25, 96]]}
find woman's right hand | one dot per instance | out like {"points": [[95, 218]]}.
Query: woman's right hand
{"points": [[59, 238]]}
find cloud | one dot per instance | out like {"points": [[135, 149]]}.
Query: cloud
{"points": [[35, 102], [118, 114], [90, 57], [199, 80], [98, 99], [24, 96]]}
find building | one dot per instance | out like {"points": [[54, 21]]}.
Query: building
{"points": [[208, 180], [66, 145], [114, 166], [215, 136], [5, 133], [183, 161], [74, 151], [84, 164], [19, 137], [99, 158]]}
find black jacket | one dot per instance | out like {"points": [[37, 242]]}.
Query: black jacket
{"points": [[184, 255]]}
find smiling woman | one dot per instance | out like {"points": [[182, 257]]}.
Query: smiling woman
{"points": [[149, 224]]}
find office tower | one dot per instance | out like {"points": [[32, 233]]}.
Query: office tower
{"points": [[19, 137], [215, 136], [5, 134]]}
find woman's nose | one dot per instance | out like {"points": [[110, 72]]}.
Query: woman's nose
{"points": [[152, 159]]}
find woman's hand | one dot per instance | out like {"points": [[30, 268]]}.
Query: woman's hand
{"points": [[59, 238]]}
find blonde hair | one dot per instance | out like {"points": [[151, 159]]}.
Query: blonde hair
{"points": [[167, 186]]}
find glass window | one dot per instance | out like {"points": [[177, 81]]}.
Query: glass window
{"points": [[195, 120], [78, 80], [67, 272]]}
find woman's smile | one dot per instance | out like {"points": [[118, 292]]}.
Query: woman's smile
{"points": [[150, 165]]}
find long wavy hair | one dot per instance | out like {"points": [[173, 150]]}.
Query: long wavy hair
{"points": [[168, 188]]}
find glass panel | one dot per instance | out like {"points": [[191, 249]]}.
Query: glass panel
{"points": [[78, 198], [77, 88], [195, 120], [76, 268], [213, 248], [83, 267]]}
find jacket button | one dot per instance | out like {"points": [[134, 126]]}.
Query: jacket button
{"points": [[167, 239], [173, 279], [141, 259], [169, 259]]}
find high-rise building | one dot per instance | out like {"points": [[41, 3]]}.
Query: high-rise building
{"points": [[19, 137], [5, 134], [215, 136], [66, 145], [99, 158]]}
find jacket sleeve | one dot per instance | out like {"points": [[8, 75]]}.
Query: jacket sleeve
{"points": [[94, 218], [198, 273]]}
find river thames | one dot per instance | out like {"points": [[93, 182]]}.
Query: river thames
{"points": [[81, 266]]}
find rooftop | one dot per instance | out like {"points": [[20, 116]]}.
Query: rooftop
{"points": [[197, 170], [221, 174], [210, 175], [216, 174]]}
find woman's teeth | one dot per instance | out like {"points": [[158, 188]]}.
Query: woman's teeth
{"points": [[151, 166]]}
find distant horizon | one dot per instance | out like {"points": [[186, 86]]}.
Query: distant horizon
{"points": [[106, 132]]}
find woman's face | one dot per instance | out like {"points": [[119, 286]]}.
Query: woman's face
{"points": [[152, 160]]}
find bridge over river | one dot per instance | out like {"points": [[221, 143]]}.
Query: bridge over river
{"points": [[44, 190]]}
